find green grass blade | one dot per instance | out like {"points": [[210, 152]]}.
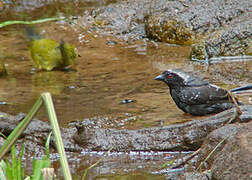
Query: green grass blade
{"points": [[1, 134], [19, 163], [56, 132], [38, 165], [8, 170], [14, 163], [6, 23], [20, 128], [45, 162], [47, 145]]}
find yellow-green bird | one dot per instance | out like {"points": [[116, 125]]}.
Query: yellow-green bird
{"points": [[48, 54]]}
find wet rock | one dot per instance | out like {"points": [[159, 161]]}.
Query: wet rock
{"points": [[169, 30], [232, 159], [187, 136], [36, 134], [196, 176], [9, 122], [215, 28], [69, 143], [123, 19], [235, 39], [96, 122], [93, 136], [200, 16]]}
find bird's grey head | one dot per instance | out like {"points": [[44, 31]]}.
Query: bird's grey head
{"points": [[177, 77]]}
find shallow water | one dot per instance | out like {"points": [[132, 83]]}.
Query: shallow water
{"points": [[125, 165], [105, 76]]}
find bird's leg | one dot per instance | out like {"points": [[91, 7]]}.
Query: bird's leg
{"points": [[237, 111]]}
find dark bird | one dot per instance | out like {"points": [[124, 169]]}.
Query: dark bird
{"points": [[197, 96]]}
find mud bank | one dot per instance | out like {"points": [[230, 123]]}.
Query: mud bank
{"points": [[187, 136]]}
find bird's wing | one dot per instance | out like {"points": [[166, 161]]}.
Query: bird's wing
{"points": [[202, 94]]}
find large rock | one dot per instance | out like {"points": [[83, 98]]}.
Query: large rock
{"points": [[35, 134], [186, 136], [214, 28], [232, 159]]}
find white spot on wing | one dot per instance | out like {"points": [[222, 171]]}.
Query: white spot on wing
{"points": [[217, 87]]}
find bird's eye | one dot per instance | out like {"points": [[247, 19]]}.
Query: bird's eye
{"points": [[170, 76]]}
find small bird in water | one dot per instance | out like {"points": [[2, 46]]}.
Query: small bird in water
{"points": [[48, 54], [197, 96]]}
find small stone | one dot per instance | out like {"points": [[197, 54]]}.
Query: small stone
{"points": [[111, 43], [3, 102], [71, 87], [126, 101]]}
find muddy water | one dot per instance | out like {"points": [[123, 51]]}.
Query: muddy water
{"points": [[105, 75], [129, 165]]}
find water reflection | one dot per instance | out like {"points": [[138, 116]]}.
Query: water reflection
{"points": [[53, 82]]}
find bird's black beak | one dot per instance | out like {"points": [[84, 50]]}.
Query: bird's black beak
{"points": [[160, 77]]}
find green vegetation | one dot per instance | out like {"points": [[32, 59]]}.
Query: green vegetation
{"points": [[47, 99], [6, 23], [13, 169]]}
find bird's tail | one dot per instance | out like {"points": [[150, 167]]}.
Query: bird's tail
{"points": [[243, 88], [32, 33]]}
